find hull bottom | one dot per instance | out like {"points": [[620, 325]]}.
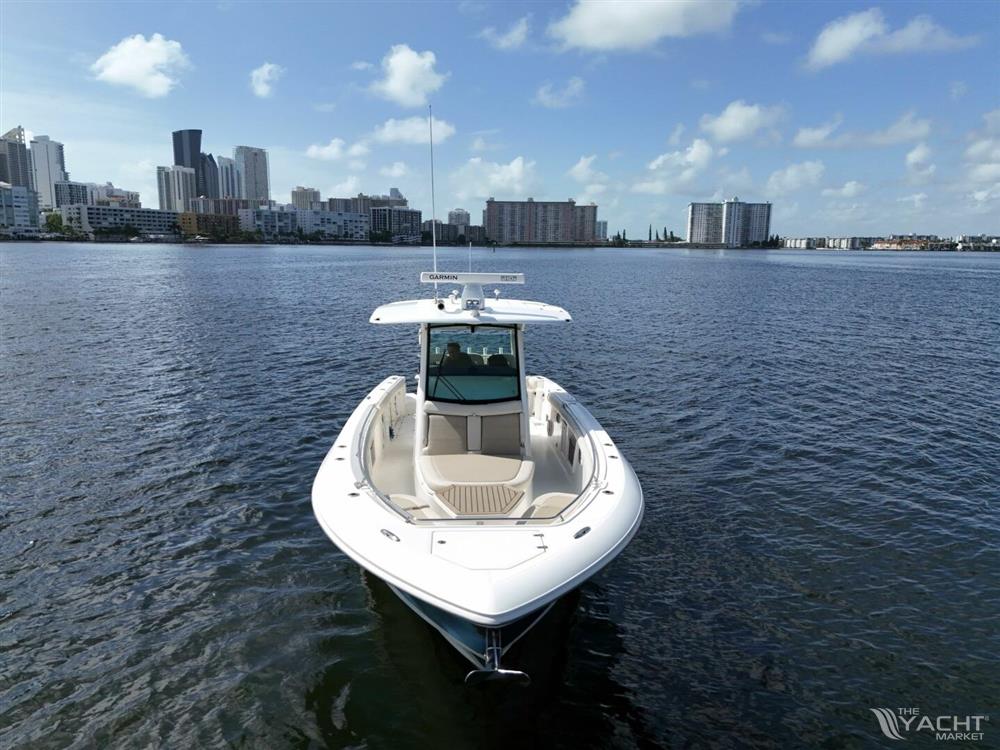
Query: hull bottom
{"points": [[481, 645]]}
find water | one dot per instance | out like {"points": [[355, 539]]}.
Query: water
{"points": [[817, 435]]}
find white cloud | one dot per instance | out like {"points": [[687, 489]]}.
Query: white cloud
{"points": [[150, 66], [332, 151], [812, 137], [347, 188], [412, 130], [360, 149], [361, 65], [795, 177], [480, 144], [867, 32], [917, 199], [850, 189], [569, 95], [675, 169], [408, 76], [263, 79], [982, 158], [583, 170], [918, 163], [592, 192], [739, 121], [356, 165], [396, 169], [606, 26], [675, 135], [905, 129], [513, 38], [483, 179]]}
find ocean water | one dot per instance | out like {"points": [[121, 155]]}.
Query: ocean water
{"points": [[817, 435]]}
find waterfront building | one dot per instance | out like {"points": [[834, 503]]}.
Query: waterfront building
{"points": [[305, 197], [340, 225], [187, 150], [208, 224], [15, 161], [229, 178], [459, 217], [67, 193], [267, 222], [475, 233], [508, 222], [601, 230], [255, 181], [704, 223], [109, 195], [396, 223], [228, 206], [18, 210], [90, 219], [48, 165], [443, 232], [585, 223], [209, 176], [176, 186]]}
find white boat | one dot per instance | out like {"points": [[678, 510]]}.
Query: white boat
{"points": [[487, 494]]}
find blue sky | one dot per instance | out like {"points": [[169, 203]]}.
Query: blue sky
{"points": [[852, 118]]}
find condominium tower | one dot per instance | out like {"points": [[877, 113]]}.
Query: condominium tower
{"points": [[176, 186], [251, 163], [48, 167], [508, 222]]}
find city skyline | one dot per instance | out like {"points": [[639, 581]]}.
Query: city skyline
{"points": [[853, 130]]}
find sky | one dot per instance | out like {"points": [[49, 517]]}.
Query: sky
{"points": [[851, 118]]}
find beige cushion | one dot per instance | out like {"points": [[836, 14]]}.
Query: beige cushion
{"points": [[548, 505], [472, 468], [502, 435], [446, 434]]}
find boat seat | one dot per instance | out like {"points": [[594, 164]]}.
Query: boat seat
{"points": [[410, 504], [443, 470], [549, 504]]}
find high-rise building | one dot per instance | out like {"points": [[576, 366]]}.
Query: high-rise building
{"points": [[68, 193], [508, 222], [187, 148], [108, 195], [18, 210], [396, 223], [704, 223], [601, 230], [229, 178], [305, 197], [15, 162], [459, 217], [732, 223], [251, 163], [176, 186], [48, 165], [209, 176]]}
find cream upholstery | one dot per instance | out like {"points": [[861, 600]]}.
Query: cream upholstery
{"points": [[446, 434], [501, 435], [548, 505], [442, 471]]}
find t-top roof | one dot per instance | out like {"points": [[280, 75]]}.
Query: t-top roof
{"points": [[449, 310]]}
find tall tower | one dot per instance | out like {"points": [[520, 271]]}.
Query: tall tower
{"points": [[251, 163], [15, 164], [48, 166]]}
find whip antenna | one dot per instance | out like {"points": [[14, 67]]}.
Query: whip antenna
{"points": [[434, 244]]}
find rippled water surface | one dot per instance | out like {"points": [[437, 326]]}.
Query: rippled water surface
{"points": [[817, 434]]}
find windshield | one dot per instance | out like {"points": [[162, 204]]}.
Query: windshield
{"points": [[472, 364]]}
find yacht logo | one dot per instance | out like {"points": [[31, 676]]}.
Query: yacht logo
{"points": [[896, 726], [887, 723]]}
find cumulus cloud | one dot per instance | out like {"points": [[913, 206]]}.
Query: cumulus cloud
{"points": [[982, 155], [850, 189], [408, 76], [675, 135], [867, 32], [906, 128], [478, 178], [739, 121], [917, 200], [412, 130], [513, 38], [596, 25], [150, 66], [918, 164], [332, 151], [480, 144], [396, 169], [795, 177], [676, 169], [263, 79], [348, 187], [583, 170], [569, 95]]}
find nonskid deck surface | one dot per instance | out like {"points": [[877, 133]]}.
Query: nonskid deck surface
{"points": [[395, 477]]}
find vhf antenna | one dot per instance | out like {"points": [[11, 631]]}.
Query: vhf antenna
{"points": [[434, 244]]}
